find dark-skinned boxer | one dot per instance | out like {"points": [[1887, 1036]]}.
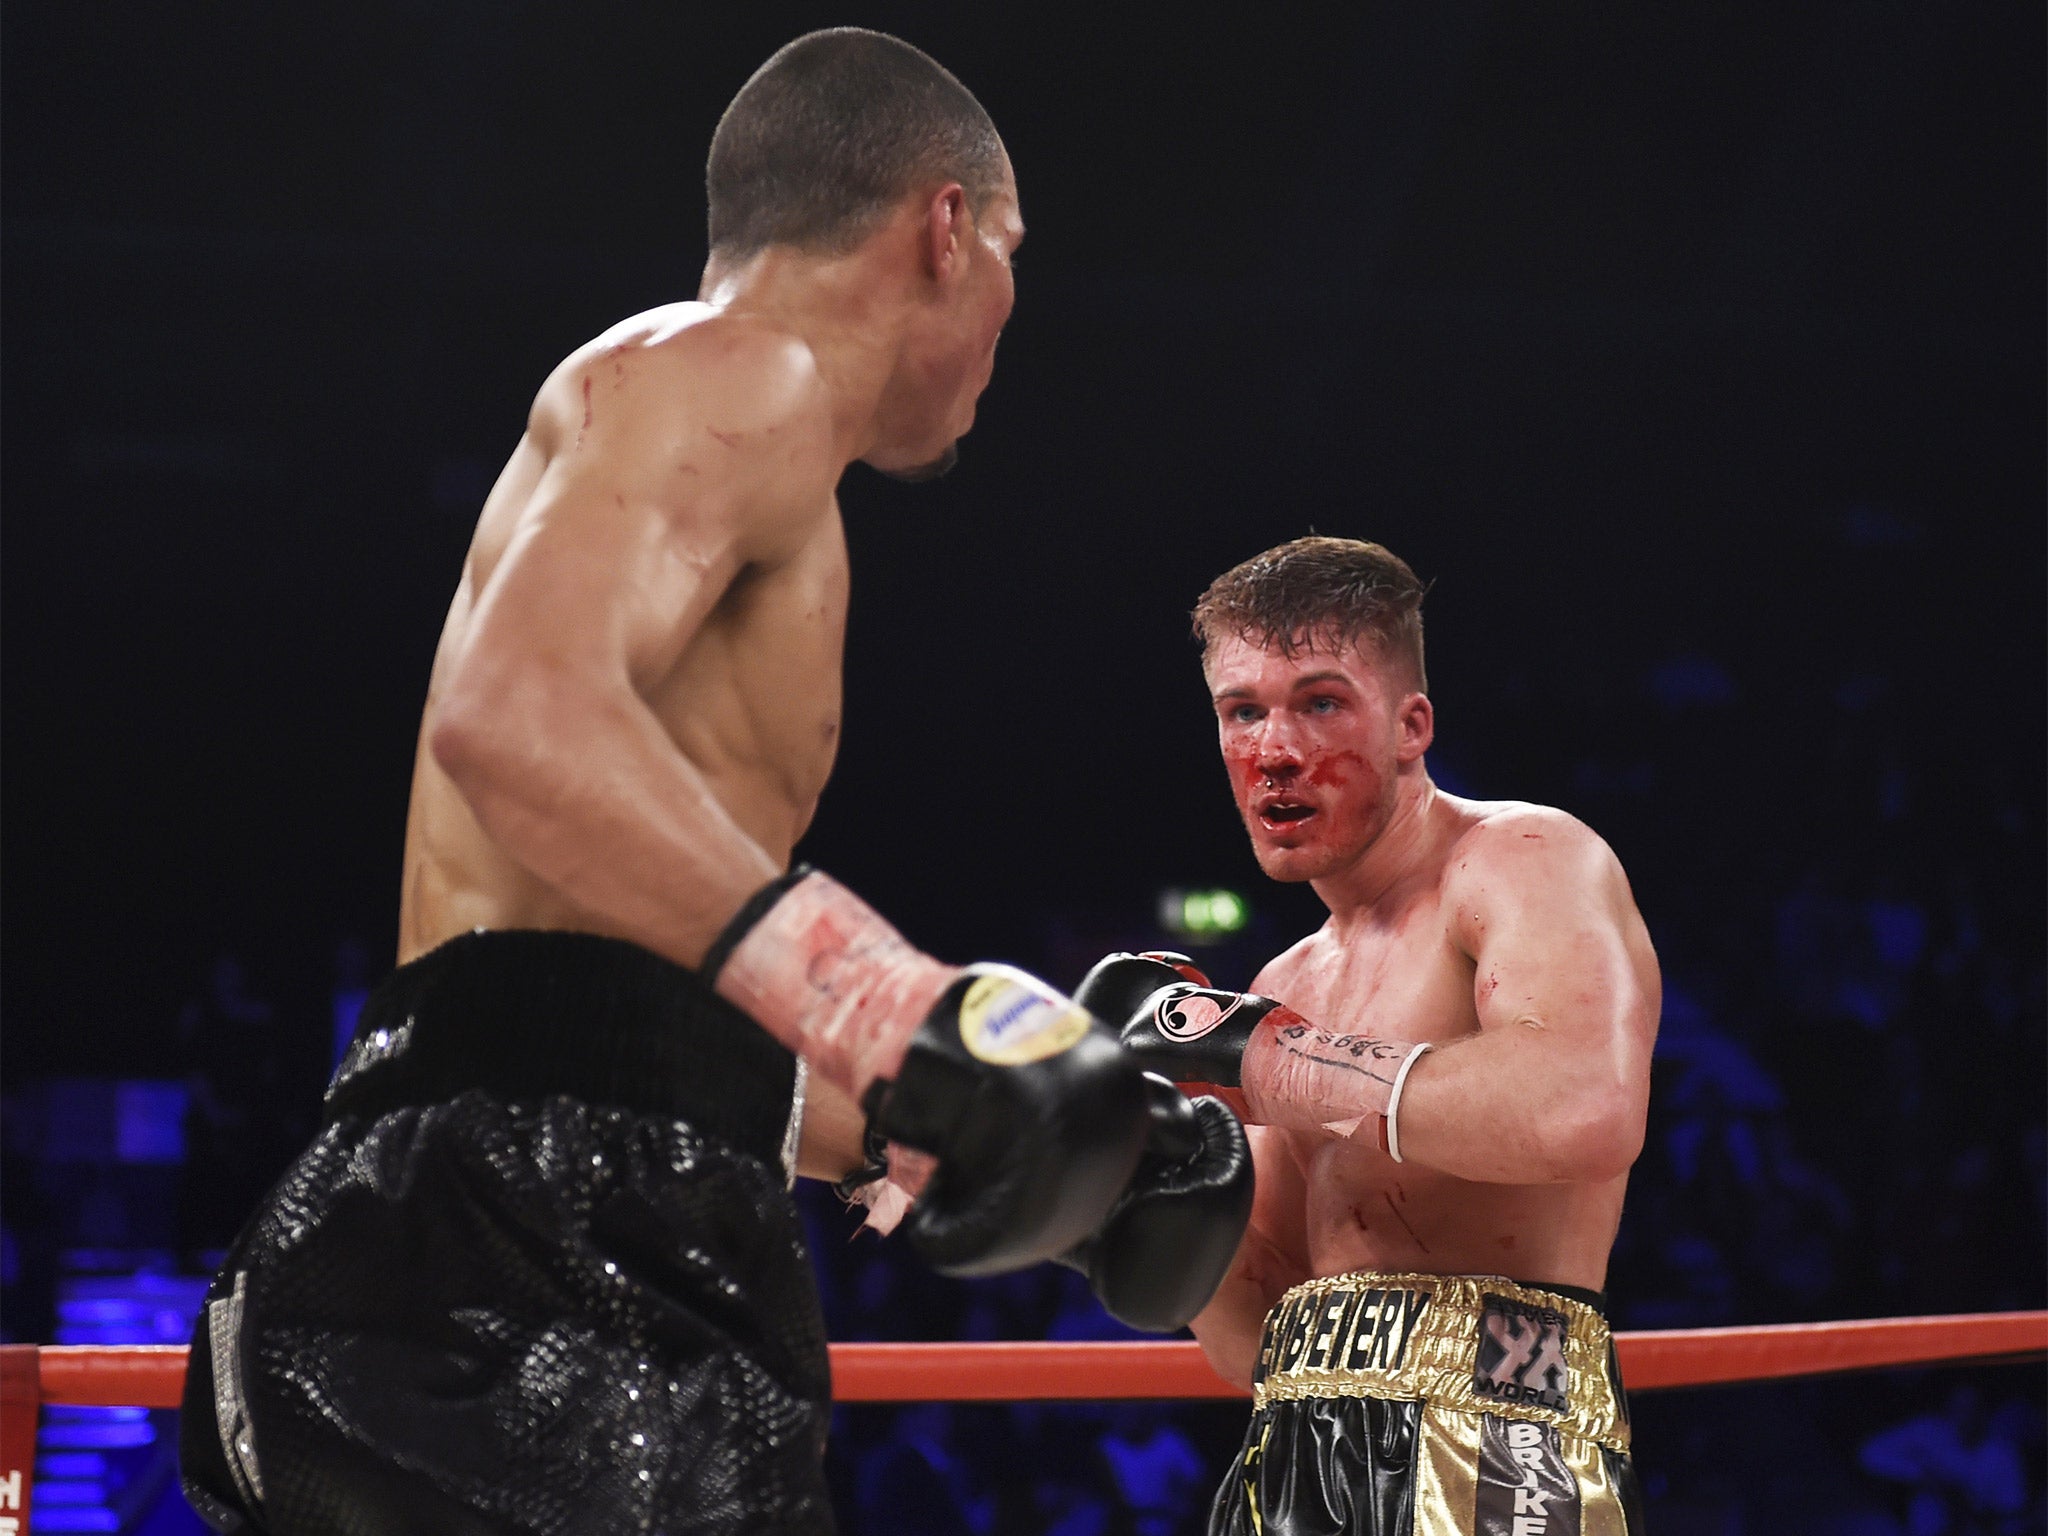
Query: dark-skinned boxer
{"points": [[539, 1271]]}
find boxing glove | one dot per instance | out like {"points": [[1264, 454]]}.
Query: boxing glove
{"points": [[1182, 1028], [1037, 1120], [1169, 1240]]}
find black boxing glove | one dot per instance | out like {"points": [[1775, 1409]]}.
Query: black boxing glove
{"points": [[1183, 1029], [1036, 1118], [1116, 985], [1168, 1241]]}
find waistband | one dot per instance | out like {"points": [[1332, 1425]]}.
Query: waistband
{"points": [[1477, 1343], [526, 1014]]}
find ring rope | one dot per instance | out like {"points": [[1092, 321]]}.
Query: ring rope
{"points": [[152, 1376]]}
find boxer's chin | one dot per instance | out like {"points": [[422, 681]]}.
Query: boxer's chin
{"points": [[1290, 866], [917, 474]]}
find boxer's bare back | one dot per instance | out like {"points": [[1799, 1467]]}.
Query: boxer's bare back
{"points": [[741, 648], [635, 702]]}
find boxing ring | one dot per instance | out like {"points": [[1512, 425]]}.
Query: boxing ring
{"points": [[152, 1376]]}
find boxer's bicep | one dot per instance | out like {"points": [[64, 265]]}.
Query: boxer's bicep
{"points": [[1545, 913], [1564, 980]]}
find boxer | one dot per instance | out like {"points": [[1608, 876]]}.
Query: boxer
{"points": [[1446, 1084], [539, 1271]]}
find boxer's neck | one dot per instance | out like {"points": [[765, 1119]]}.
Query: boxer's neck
{"points": [[1360, 893], [852, 311]]}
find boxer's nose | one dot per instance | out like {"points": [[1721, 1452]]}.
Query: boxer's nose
{"points": [[1278, 756]]}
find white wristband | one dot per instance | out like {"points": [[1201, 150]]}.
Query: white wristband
{"points": [[1394, 1100]]}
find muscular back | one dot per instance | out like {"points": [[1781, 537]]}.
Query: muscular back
{"points": [[663, 548]]}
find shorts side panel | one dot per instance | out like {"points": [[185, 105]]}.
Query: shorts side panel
{"points": [[1483, 1475], [1446, 1472], [1321, 1467]]}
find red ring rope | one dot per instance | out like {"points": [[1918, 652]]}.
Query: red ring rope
{"points": [[153, 1376]]}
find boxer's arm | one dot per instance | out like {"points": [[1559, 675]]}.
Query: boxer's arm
{"points": [[1554, 1088], [672, 475], [831, 1143], [1271, 1258]]}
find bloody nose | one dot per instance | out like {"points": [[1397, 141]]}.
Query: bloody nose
{"points": [[1278, 764]]}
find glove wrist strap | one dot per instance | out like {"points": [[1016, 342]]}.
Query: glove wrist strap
{"points": [[751, 912]]}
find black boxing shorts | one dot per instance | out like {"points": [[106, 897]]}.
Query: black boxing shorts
{"points": [[539, 1272], [1433, 1405]]}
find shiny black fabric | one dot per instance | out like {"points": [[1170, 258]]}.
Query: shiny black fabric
{"points": [[525, 1014], [533, 1315], [1343, 1466], [1336, 1466]]}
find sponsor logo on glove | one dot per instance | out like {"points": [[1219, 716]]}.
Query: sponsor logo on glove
{"points": [[1190, 1018], [1008, 1024]]}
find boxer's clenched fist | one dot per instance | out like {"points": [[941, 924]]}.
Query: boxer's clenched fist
{"points": [[1173, 1021], [1169, 1240]]}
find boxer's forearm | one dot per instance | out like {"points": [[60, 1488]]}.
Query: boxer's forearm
{"points": [[1271, 1257], [1228, 1331], [1499, 1109], [1228, 1328], [831, 1145], [581, 786]]}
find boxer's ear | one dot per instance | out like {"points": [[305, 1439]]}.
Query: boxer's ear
{"points": [[1415, 720], [948, 225]]}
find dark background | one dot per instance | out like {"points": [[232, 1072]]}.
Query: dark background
{"points": [[1695, 354]]}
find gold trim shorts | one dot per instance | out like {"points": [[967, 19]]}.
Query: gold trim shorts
{"points": [[1432, 1405]]}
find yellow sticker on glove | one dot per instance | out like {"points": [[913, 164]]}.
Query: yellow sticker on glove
{"points": [[1007, 1023]]}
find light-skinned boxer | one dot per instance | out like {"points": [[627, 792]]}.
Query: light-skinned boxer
{"points": [[1446, 1086]]}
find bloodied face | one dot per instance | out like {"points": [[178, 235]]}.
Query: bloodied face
{"points": [[1314, 743]]}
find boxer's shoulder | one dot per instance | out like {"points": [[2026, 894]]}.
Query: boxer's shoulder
{"points": [[716, 419], [702, 390], [1512, 853], [1496, 837]]}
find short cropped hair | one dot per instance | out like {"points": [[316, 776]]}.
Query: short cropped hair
{"points": [[1319, 594], [831, 132]]}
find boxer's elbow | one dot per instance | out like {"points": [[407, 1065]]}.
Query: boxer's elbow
{"points": [[469, 741], [1597, 1135], [491, 737]]}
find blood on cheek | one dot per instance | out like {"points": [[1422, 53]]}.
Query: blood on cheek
{"points": [[1327, 770], [1348, 793]]}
